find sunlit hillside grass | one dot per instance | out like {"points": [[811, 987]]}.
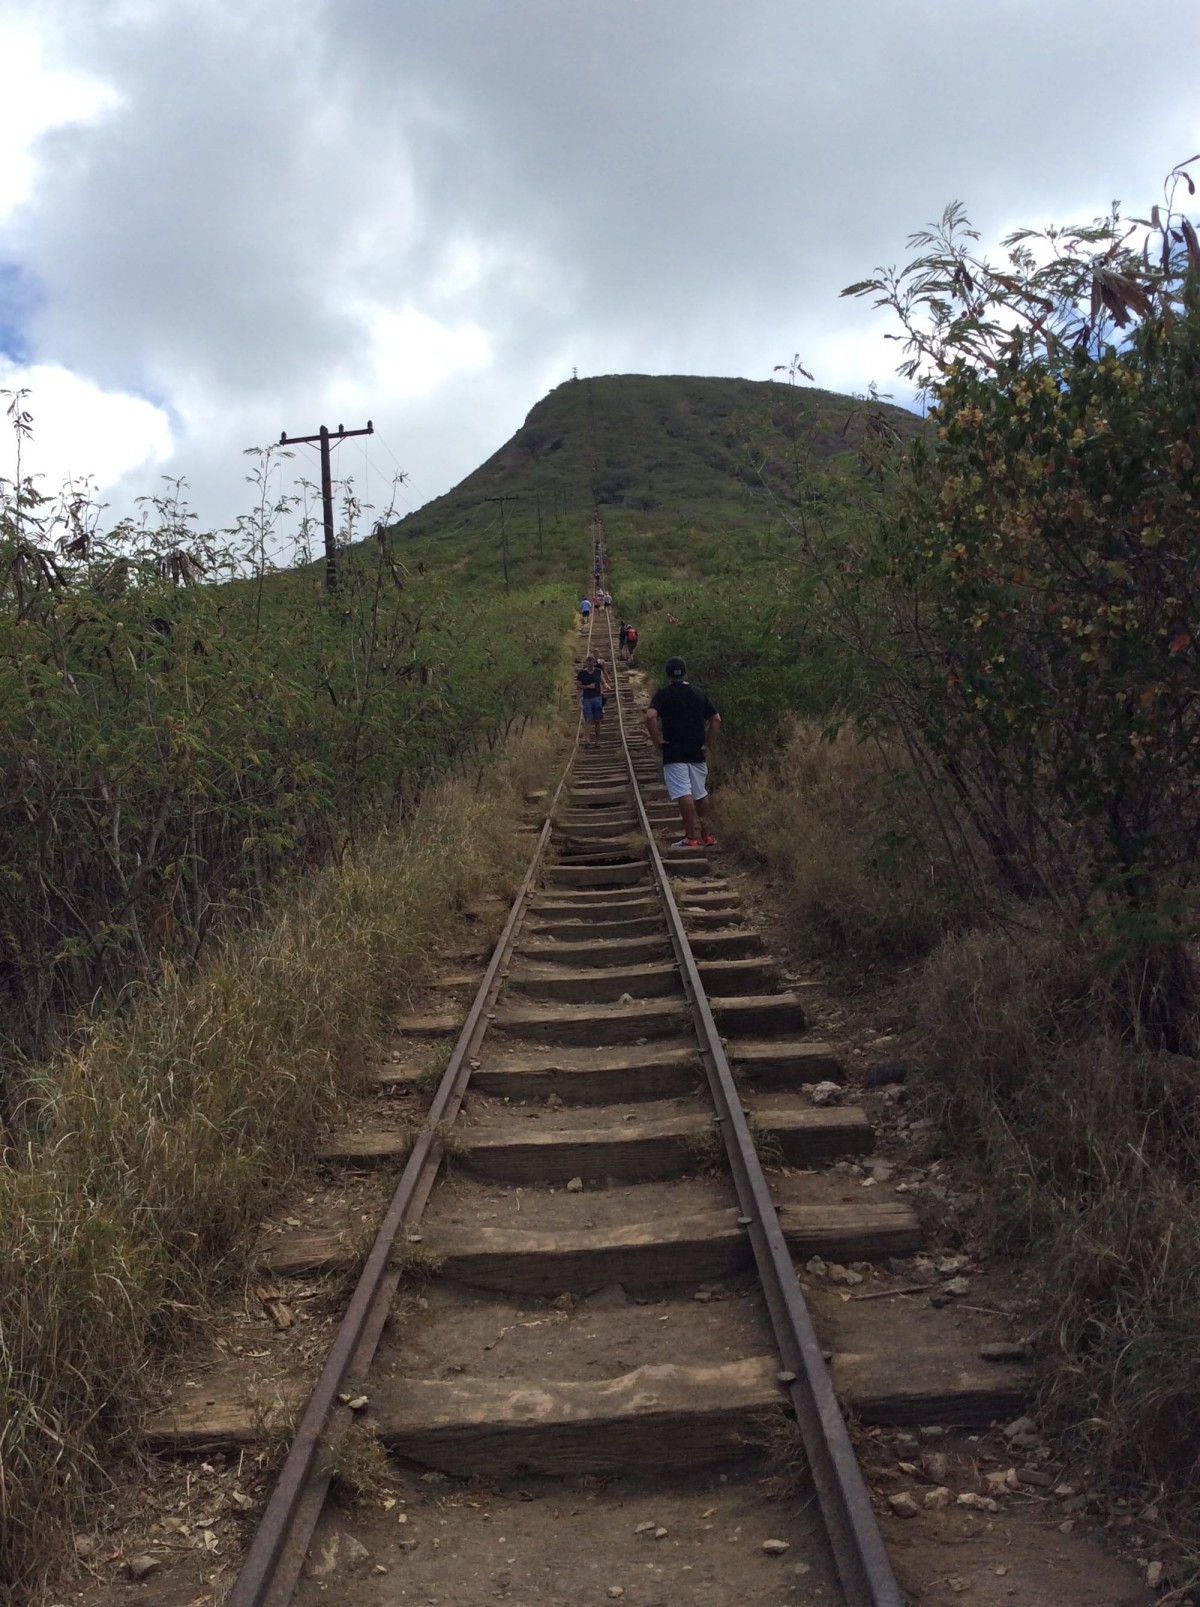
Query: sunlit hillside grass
{"points": [[693, 476]]}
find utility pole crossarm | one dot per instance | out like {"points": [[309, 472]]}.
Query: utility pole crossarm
{"points": [[322, 439]]}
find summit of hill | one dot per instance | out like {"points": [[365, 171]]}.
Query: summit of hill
{"points": [[678, 465]]}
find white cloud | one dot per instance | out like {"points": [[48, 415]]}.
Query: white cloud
{"points": [[38, 95], [413, 355], [80, 430]]}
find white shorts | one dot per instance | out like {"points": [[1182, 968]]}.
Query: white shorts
{"points": [[686, 780]]}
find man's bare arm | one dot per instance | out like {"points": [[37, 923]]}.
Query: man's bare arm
{"points": [[654, 728]]}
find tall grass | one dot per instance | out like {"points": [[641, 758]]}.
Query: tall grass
{"points": [[851, 846], [172, 752], [1085, 1140], [1090, 1147], [157, 1142]]}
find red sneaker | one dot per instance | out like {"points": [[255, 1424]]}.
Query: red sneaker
{"points": [[709, 840], [686, 842]]}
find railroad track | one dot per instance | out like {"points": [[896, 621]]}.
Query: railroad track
{"points": [[614, 1296]]}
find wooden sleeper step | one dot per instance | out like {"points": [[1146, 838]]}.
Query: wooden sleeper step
{"points": [[698, 1248], [649, 1148], [660, 1416]]}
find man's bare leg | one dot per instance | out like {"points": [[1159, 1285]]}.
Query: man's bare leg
{"points": [[704, 811], [687, 808]]}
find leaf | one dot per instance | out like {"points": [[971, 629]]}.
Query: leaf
{"points": [[1193, 244]]}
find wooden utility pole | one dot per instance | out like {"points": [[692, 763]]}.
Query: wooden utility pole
{"points": [[509, 497], [323, 437]]}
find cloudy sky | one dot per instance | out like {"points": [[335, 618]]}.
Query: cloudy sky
{"points": [[220, 219]]}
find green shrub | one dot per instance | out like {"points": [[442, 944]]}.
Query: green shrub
{"points": [[163, 1136]]}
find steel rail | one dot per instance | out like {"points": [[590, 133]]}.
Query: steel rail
{"points": [[271, 1567], [859, 1554]]}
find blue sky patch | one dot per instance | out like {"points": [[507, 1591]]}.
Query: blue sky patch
{"points": [[17, 299]]}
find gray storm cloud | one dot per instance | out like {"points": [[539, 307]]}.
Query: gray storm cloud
{"points": [[428, 214]]}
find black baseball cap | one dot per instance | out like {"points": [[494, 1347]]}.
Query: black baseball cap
{"points": [[676, 669]]}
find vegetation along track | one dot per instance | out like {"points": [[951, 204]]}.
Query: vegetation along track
{"points": [[615, 1313]]}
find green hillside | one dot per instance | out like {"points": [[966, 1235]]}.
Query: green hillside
{"points": [[689, 473]]}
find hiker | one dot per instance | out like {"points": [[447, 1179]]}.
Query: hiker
{"points": [[606, 601], [631, 640], [621, 635], [585, 609], [682, 722], [593, 683]]}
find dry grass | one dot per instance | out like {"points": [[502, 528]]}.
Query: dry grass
{"points": [[1047, 1071], [415, 1261], [1088, 1149], [429, 1078], [778, 1435], [707, 1150], [360, 1463], [850, 844], [154, 1147]]}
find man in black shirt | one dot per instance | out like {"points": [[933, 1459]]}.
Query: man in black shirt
{"points": [[682, 722]]}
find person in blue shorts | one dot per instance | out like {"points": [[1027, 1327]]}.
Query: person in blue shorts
{"points": [[682, 723], [593, 683]]}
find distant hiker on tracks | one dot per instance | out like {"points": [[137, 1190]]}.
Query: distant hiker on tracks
{"points": [[682, 722], [631, 641], [593, 683], [585, 609], [624, 632]]}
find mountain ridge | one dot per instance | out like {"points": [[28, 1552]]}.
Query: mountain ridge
{"points": [[724, 457]]}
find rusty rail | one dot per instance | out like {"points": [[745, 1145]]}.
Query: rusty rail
{"points": [[272, 1565], [859, 1554]]}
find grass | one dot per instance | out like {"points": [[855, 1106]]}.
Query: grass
{"points": [[1091, 1148], [1085, 1143], [778, 1435], [854, 854], [429, 1078], [162, 1137], [360, 1463], [707, 1150], [767, 1145], [693, 476], [415, 1261], [451, 1140]]}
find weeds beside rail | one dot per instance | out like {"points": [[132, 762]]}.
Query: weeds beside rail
{"points": [[160, 1140]]}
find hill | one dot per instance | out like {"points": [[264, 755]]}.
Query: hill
{"points": [[680, 466]]}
